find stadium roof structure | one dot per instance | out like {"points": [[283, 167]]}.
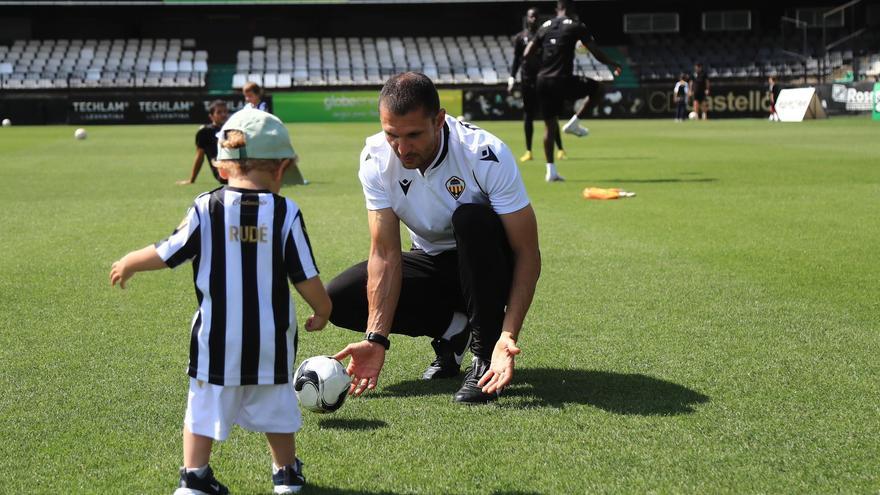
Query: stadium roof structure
{"points": [[232, 2]]}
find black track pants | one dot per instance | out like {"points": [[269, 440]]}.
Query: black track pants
{"points": [[473, 279]]}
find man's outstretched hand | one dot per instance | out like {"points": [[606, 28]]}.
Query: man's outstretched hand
{"points": [[366, 362], [500, 372]]}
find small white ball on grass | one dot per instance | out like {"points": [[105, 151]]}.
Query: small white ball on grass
{"points": [[80, 133], [7, 122]]}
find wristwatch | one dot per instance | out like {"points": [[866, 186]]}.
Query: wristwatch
{"points": [[379, 339]]}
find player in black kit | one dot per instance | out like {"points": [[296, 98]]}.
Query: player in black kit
{"points": [[528, 68], [206, 142], [557, 39], [699, 91]]}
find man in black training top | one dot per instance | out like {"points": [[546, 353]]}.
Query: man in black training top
{"points": [[206, 142], [529, 82], [557, 39], [699, 91]]}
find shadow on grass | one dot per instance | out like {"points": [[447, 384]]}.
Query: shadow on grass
{"points": [[648, 181], [310, 489], [311, 183], [603, 158], [351, 424], [322, 490], [619, 393]]}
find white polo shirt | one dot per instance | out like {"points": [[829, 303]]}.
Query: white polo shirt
{"points": [[471, 166]]}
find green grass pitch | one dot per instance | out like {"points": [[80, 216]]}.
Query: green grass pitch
{"points": [[718, 333]]}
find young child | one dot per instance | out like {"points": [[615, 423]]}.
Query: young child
{"points": [[245, 241], [253, 94], [680, 96]]}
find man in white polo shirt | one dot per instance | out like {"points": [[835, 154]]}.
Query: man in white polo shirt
{"points": [[471, 273]]}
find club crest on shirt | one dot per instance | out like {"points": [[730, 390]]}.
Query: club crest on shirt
{"points": [[455, 185]]}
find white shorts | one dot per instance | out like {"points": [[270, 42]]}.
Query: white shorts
{"points": [[211, 409]]}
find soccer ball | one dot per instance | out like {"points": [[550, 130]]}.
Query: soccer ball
{"points": [[7, 122], [692, 115], [80, 133], [321, 384]]}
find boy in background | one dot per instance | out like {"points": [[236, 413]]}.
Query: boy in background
{"points": [[680, 96], [253, 96], [245, 242], [206, 142]]}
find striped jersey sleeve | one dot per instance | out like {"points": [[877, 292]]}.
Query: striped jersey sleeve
{"points": [[298, 256], [184, 243]]}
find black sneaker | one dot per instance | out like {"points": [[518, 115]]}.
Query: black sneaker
{"points": [[470, 393], [191, 484], [289, 479], [449, 355]]}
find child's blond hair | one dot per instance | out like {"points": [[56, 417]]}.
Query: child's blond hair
{"points": [[235, 140]]}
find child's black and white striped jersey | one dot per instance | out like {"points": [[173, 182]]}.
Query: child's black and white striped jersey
{"points": [[244, 245]]}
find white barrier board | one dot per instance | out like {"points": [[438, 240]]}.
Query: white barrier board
{"points": [[797, 104]]}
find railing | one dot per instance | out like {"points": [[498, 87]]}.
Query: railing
{"points": [[853, 35], [81, 81]]}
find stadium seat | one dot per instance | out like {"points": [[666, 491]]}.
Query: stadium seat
{"points": [[270, 80], [489, 76], [99, 63]]}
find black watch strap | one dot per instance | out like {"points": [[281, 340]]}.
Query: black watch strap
{"points": [[379, 339]]}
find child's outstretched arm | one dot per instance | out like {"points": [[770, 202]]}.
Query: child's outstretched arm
{"points": [[313, 291], [136, 261]]}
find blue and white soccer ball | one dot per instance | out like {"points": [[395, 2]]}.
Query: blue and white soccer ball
{"points": [[321, 384]]}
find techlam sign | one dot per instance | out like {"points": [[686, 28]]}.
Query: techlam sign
{"points": [[109, 111], [166, 109], [162, 110], [797, 104], [181, 109]]}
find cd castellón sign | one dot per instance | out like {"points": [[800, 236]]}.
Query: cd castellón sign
{"points": [[725, 101]]}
